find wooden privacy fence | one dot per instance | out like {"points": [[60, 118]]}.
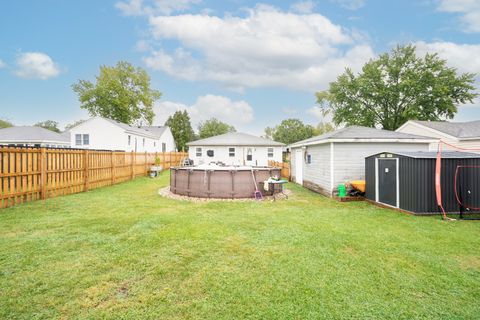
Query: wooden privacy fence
{"points": [[28, 174], [285, 166]]}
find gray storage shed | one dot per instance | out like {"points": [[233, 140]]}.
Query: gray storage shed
{"points": [[406, 180]]}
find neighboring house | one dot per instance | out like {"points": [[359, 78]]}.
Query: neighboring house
{"points": [[459, 134], [322, 163], [28, 136], [106, 134], [235, 148], [165, 136]]}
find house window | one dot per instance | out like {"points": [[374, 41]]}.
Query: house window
{"points": [[164, 147], [231, 152], [129, 139], [270, 152], [210, 153], [86, 139], [309, 158], [78, 139], [198, 152], [249, 154]]}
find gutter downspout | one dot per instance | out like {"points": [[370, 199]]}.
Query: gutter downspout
{"points": [[332, 167]]}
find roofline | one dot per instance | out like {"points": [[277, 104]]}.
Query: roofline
{"points": [[149, 135], [414, 122], [279, 144], [405, 154], [141, 134], [35, 141], [377, 140]]}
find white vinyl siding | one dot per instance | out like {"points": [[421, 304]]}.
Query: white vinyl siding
{"points": [[349, 158], [239, 158], [318, 171]]}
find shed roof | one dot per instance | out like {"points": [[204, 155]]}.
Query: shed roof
{"points": [[358, 132], [433, 154], [461, 130], [31, 133], [235, 139]]}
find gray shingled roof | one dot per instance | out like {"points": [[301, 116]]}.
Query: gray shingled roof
{"points": [[29, 133], [127, 127], [461, 130], [235, 139], [433, 154], [156, 130], [359, 132]]}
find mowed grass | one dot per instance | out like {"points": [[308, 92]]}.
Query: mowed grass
{"points": [[124, 252]]}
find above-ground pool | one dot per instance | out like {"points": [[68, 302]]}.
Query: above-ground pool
{"points": [[225, 182]]}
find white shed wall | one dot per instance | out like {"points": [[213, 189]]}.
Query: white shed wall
{"points": [[349, 158]]}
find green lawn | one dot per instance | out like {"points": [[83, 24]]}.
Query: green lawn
{"points": [[125, 252]]}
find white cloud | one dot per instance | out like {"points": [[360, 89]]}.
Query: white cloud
{"points": [[350, 4], [152, 7], [315, 112], [36, 65], [2, 64], [303, 6], [267, 47], [236, 113], [468, 9], [464, 57]]}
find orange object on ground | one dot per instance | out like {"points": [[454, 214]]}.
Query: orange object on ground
{"points": [[358, 185]]}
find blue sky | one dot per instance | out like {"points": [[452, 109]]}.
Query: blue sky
{"points": [[248, 63]]}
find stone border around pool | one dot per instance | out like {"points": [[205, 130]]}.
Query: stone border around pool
{"points": [[166, 193]]}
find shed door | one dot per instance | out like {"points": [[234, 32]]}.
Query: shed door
{"points": [[387, 181]]}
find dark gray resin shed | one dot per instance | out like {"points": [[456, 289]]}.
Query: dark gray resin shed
{"points": [[406, 180]]}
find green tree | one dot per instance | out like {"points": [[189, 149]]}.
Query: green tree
{"points": [[323, 127], [120, 93], [74, 124], [213, 127], [397, 87], [48, 124], [181, 128], [5, 124], [290, 131]]}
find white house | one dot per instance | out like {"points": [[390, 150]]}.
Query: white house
{"points": [[235, 148], [322, 163], [106, 134], [459, 134], [27, 136]]}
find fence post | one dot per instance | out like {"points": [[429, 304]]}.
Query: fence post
{"points": [[112, 155], [86, 170], [132, 170], [146, 163], [43, 173]]}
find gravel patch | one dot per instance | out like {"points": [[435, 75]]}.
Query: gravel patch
{"points": [[165, 192]]}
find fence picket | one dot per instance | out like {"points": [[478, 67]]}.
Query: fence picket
{"points": [[28, 174]]}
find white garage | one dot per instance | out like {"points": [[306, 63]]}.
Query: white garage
{"points": [[322, 163]]}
